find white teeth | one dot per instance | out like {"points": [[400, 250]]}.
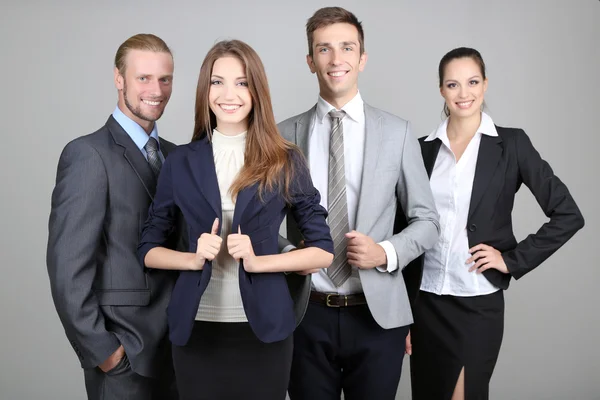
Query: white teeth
{"points": [[229, 108], [151, 103], [465, 104], [339, 73]]}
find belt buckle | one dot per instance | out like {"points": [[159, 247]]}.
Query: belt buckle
{"points": [[328, 301]]}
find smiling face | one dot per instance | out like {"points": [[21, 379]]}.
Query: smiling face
{"points": [[463, 87], [145, 86], [229, 97], [337, 61]]}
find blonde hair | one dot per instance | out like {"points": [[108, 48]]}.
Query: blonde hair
{"points": [[141, 41]]}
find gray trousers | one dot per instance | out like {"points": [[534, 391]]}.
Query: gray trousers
{"points": [[121, 383]]}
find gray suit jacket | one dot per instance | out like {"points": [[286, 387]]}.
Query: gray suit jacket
{"points": [[393, 173], [102, 294]]}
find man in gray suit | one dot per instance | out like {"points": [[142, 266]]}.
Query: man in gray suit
{"points": [[112, 309], [364, 162]]}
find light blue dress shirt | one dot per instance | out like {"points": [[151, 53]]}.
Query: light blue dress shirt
{"points": [[137, 133]]}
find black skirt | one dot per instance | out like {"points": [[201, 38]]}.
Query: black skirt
{"points": [[450, 333], [225, 361]]}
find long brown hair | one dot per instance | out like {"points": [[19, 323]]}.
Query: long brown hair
{"points": [[267, 157]]}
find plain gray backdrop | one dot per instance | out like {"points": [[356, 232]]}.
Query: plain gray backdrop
{"points": [[543, 62]]}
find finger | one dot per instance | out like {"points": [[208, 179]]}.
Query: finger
{"points": [[215, 227], [477, 256], [480, 246], [479, 263], [352, 234], [408, 345], [239, 229]]}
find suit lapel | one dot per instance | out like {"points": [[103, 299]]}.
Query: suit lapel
{"points": [[205, 174], [429, 151], [303, 130], [243, 199], [490, 152], [373, 139], [133, 155]]}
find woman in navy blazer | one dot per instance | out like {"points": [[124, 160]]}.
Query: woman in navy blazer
{"points": [[234, 183]]}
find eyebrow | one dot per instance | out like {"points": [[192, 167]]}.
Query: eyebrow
{"points": [[220, 77], [454, 80], [327, 44]]}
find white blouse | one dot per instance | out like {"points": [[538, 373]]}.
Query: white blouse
{"points": [[222, 301], [445, 270]]}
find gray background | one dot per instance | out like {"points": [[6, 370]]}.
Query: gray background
{"points": [[543, 63]]}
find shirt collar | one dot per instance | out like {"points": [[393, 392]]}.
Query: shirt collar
{"points": [[355, 108], [135, 132], [486, 127]]}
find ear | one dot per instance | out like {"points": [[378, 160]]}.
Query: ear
{"points": [[311, 64], [119, 80], [362, 61], [485, 85]]}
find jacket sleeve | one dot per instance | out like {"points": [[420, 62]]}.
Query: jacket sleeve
{"points": [[78, 209], [555, 200]]}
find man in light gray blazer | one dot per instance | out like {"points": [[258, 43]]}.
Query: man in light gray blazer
{"points": [[112, 309], [364, 162]]}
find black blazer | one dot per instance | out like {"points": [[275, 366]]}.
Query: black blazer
{"points": [[503, 164], [188, 183]]}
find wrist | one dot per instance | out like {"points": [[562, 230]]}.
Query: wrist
{"points": [[194, 260], [382, 258]]}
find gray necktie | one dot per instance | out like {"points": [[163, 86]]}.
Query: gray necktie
{"points": [[151, 148], [339, 270]]}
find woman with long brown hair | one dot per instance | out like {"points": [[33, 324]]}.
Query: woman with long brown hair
{"points": [[231, 315]]}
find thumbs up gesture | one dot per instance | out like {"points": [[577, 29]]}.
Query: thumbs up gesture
{"points": [[209, 245], [240, 248]]}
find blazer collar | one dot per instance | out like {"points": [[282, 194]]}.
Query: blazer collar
{"points": [[205, 175]]}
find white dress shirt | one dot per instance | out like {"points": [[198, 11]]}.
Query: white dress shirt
{"points": [[445, 270], [318, 160]]}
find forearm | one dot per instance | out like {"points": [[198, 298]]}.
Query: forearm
{"points": [[163, 258], [298, 260]]}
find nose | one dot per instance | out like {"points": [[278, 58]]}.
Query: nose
{"points": [[229, 92], [336, 58], [463, 92], [155, 88]]}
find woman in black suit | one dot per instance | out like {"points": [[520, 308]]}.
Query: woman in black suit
{"points": [[475, 170]]}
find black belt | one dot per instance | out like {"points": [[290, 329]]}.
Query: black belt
{"points": [[338, 300]]}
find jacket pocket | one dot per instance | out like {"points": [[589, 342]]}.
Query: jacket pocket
{"points": [[127, 297]]}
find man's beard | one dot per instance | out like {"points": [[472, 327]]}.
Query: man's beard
{"points": [[137, 111]]}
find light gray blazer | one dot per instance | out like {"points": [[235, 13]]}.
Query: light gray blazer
{"points": [[102, 294], [393, 173]]}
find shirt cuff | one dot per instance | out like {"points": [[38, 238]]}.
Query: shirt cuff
{"points": [[288, 248], [392, 258]]}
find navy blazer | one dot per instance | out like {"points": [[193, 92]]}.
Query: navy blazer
{"points": [[188, 183]]}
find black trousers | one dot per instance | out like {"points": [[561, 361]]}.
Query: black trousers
{"points": [[344, 349], [225, 361], [122, 383]]}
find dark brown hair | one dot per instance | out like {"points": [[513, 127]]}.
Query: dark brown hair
{"points": [[333, 15], [267, 157]]}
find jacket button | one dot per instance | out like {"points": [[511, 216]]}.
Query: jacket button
{"points": [[472, 228]]}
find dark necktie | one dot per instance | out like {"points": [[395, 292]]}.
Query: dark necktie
{"points": [[151, 148]]}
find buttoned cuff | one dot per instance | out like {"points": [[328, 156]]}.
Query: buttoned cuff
{"points": [[392, 258]]}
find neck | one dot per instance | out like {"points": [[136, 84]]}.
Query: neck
{"points": [[231, 129], [463, 128], [339, 101]]}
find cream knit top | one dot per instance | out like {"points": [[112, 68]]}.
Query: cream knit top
{"points": [[222, 301]]}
